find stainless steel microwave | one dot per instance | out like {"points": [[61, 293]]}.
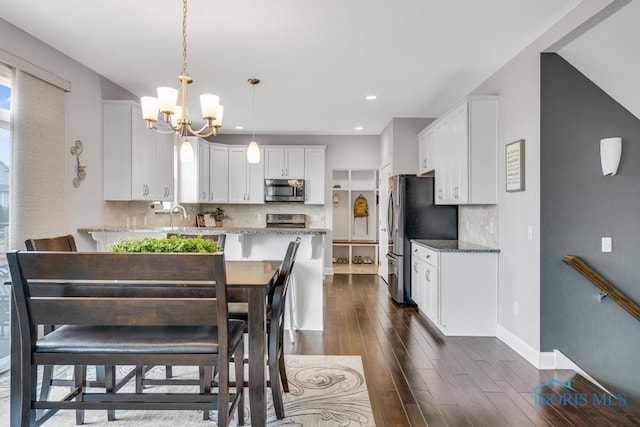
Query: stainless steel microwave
{"points": [[284, 190]]}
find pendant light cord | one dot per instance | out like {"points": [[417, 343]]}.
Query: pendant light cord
{"points": [[253, 112]]}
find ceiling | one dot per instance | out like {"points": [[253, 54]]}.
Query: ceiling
{"points": [[317, 59], [608, 55]]}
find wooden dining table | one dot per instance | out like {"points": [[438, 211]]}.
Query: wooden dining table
{"points": [[247, 281]]}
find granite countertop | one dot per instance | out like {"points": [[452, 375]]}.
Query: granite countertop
{"points": [[453, 246], [202, 230]]}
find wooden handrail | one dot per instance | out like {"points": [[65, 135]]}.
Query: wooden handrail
{"points": [[602, 284]]}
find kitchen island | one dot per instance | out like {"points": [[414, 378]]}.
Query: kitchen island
{"points": [[254, 244]]}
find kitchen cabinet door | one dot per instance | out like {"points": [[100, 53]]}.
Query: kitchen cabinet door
{"points": [[466, 153], [163, 167], [191, 175], [246, 180], [138, 162], [283, 162], [426, 151], [218, 166], [431, 306], [314, 175], [142, 158], [418, 284]]}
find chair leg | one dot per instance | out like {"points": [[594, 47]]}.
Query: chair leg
{"points": [[283, 372], [110, 387], [274, 374], [168, 371], [239, 365], [28, 389], [223, 393], [80, 375], [139, 378], [47, 376], [205, 375]]}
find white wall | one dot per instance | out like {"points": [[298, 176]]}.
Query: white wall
{"points": [[83, 205], [518, 85]]}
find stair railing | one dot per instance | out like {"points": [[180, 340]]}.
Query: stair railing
{"points": [[608, 290]]}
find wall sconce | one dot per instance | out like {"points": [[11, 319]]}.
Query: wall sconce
{"points": [[610, 152], [81, 173]]}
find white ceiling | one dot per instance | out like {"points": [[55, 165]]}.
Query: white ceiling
{"points": [[317, 59], [609, 55]]}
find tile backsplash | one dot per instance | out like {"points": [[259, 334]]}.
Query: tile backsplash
{"points": [[140, 214], [478, 224]]}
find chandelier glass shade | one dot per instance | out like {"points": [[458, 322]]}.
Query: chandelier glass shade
{"points": [[176, 117]]}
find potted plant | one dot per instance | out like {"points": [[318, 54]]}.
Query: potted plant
{"points": [[218, 215]]}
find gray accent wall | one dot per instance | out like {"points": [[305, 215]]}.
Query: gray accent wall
{"points": [[578, 207]]}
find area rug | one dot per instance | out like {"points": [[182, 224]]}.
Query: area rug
{"points": [[323, 391]]}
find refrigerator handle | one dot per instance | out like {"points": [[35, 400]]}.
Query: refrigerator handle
{"points": [[392, 257]]}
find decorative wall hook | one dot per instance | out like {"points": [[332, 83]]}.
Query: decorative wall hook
{"points": [[81, 174], [602, 295]]}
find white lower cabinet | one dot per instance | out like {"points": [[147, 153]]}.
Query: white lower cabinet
{"points": [[456, 290]]}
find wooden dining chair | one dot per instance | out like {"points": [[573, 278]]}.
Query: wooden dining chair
{"points": [[64, 243], [276, 301], [59, 243]]}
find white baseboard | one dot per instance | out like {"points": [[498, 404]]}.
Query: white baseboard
{"points": [[547, 360], [519, 346]]}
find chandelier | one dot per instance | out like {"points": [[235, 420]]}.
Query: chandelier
{"points": [[176, 117]]}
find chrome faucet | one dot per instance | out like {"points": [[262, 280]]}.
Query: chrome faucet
{"points": [[173, 209]]}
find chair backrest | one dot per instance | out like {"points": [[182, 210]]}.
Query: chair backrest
{"points": [[279, 290], [98, 288], [219, 238], [59, 243]]}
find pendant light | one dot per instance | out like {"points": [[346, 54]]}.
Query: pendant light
{"points": [[253, 152]]}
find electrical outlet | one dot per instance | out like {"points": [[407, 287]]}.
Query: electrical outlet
{"points": [[259, 217], [515, 308], [606, 244], [530, 232]]}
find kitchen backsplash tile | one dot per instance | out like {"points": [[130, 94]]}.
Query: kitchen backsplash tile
{"points": [[478, 224], [142, 214]]}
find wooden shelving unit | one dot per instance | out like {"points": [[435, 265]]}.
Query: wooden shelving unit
{"points": [[355, 240]]}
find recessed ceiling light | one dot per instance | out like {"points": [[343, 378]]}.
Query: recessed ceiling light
{"points": [[359, 128], [371, 97], [239, 127]]}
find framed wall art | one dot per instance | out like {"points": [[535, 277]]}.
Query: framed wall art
{"points": [[514, 165]]}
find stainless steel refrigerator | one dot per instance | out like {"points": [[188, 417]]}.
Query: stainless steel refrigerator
{"points": [[412, 214]]}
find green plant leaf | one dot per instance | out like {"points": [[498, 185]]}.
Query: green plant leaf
{"points": [[166, 244]]}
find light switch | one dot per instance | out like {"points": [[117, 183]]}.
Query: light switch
{"points": [[606, 244]]}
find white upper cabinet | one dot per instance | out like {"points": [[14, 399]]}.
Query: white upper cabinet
{"points": [[314, 175], [465, 152], [246, 180], [205, 179], [138, 162], [284, 162], [218, 173], [426, 151]]}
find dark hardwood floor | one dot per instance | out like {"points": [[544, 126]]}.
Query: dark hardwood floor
{"points": [[417, 379]]}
